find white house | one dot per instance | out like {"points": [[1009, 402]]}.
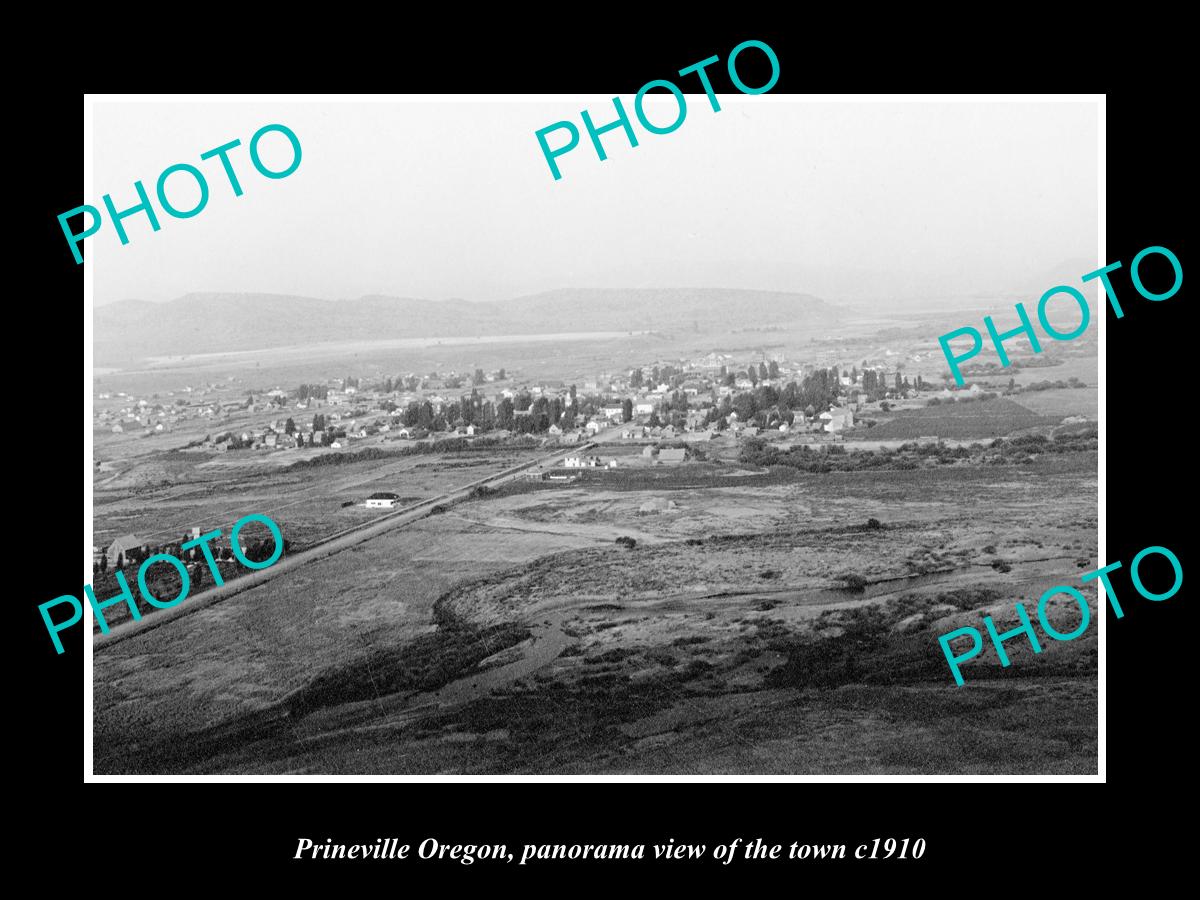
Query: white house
{"points": [[581, 462], [838, 419], [382, 501]]}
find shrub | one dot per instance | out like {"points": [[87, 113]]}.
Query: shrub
{"points": [[854, 582], [874, 524], [626, 541]]}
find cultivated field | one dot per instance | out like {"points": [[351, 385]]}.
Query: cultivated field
{"points": [[1061, 402], [976, 419]]}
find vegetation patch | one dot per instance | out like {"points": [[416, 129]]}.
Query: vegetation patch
{"points": [[426, 663]]}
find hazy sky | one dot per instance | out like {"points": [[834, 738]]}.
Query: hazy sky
{"points": [[451, 199]]}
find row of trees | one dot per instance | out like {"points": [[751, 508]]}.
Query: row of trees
{"points": [[669, 375], [397, 383], [523, 414], [836, 458], [312, 391]]}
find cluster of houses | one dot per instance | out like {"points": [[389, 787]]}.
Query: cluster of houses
{"points": [[124, 550], [164, 412], [667, 401], [666, 456], [588, 462]]}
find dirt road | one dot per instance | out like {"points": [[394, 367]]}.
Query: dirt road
{"points": [[334, 544]]}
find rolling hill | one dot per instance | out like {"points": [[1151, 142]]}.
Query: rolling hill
{"points": [[213, 323]]}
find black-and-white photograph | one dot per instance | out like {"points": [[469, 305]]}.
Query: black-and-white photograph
{"points": [[469, 436]]}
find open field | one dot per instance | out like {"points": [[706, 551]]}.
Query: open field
{"points": [[162, 498]]}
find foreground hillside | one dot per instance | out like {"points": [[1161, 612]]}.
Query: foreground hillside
{"points": [[778, 625]]}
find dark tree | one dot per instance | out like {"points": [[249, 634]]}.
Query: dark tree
{"points": [[504, 414], [626, 410], [289, 427], [425, 415]]}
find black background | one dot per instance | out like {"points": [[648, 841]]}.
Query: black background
{"points": [[988, 831]]}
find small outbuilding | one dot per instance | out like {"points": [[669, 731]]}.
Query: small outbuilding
{"points": [[382, 500]]}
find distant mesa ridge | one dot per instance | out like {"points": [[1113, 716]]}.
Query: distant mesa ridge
{"points": [[215, 323]]}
